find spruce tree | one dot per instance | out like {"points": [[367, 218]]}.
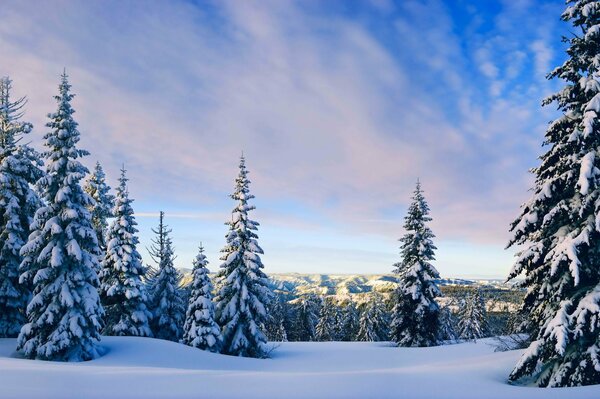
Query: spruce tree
{"points": [[348, 323], [416, 313], [447, 322], [200, 329], [472, 317], [61, 255], [374, 321], [104, 202], [244, 293], [307, 318], [122, 291], [19, 169], [167, 306], [559, 226], [327, 328]]}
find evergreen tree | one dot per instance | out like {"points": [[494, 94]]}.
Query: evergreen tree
{"points": [[200, 329], [559, 227], [60, 258], [167, 306], [19, 169], [447, 322], [416, 312], [278, 319], [307, 318], [104, 202], [244, 293], [348, 325], [122, 291], [327, 328], [472, 317], [374, 321]]}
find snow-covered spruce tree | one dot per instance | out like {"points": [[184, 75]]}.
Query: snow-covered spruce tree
{"points": [[122, 291], [472, 317], [374, 321], [447, 322], [327, 328], [244, 293], [60, 258], [559, 226], [348, 322], [278, 319], [415, 317], [200, 329], [307, 318], [104, 202], [19, 169], [166, 301]]}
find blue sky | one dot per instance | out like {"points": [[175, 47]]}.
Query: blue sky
{"points": [[339, 106]]}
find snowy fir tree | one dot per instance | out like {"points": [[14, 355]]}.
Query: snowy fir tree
{"points": [[122, 291], [19, 169], [559, 226], [60, 258], [167, 306], [200, 329], [327, 328], [307, 318], [278, 319], [472, 317], [447, 322], [348, 322], [416, 313], [244, 293], [104, 202], [374, 321]]}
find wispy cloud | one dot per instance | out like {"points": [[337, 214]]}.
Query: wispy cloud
{"points": [[338, 109]]}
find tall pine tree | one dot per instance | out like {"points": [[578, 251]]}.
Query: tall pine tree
{"points": [[472, 317], [122, 291], [167, 305], [61, 255], [416, 313], [19, 169], [559, 227], [244, 293], [104, 202], [200, 329], [374, 320]]}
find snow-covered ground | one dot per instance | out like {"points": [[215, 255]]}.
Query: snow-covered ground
{"points": [[149, 368]]}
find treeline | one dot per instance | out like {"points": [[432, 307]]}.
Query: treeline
{"points": [[70, 269], [468, 313]]}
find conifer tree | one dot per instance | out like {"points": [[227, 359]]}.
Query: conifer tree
{"points": [[559, 226], [472, 317], [104, 202], [19, 169], [374, 321], [167, 306], [278, 319], [122, 291], [244, 293], [307, 318], [348, 323], [447, 322], [200, 329], [327, 328], [416, 313], [61, 254]]}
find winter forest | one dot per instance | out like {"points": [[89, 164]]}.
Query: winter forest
{"points": [[90, 309]]}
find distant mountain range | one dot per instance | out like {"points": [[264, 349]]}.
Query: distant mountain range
{"points": [[351, 285]]}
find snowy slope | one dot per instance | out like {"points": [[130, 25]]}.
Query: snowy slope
{"points": [[149, 368]]}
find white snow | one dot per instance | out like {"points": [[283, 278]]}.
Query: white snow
{"points": [[150, 368]]}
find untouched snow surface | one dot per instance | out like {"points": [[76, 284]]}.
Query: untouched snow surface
{"points": [[151, 368]]}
